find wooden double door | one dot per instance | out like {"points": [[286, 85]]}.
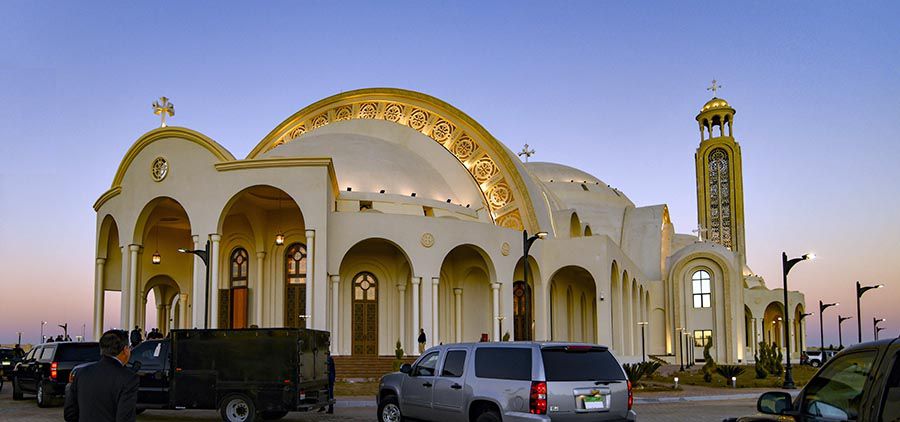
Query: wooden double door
{"points": [[365, 315]]}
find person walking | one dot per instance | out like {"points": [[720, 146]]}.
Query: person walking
{"points": [[136, 336], [422, 340], [104, 391], [332, 377]]}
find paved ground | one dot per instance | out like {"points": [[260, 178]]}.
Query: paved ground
{"points": [[668, 409]]}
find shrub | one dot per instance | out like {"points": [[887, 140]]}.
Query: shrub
{"points": [[650, 368], [759, 367], [777, 365], [398, 350], [634, 371], [729, 371], [709, 365], [505, 336]]}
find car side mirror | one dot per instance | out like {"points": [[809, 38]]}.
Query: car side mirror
{"points": [[136, 365], [774, 403], [406, 368]]}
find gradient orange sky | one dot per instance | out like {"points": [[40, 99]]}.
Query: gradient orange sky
{"points": [[606, 88]]}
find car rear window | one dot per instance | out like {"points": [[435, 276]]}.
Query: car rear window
{"points": [[6, 353], [588, 364], [78, 352], [505, 363]]}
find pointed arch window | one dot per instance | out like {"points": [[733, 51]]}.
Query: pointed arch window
{"points": [[701, 290], [240, 267]]}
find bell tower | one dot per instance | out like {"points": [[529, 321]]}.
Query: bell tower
{"points": [[720, 187]]}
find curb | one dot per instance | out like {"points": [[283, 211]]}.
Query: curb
{"points": [[637, 400]]}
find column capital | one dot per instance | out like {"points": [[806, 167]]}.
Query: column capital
{"points": [[495, 286], [416, 280], [435, 280], [101, 261], [261, 255], [195, 238], [401, 287], [215, 237], [310, 233], [457, 291], [134, 247], [335, 278]]}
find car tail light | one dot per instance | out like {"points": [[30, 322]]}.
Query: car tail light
{"points": [[302, 394], [53, 368], [537, 404], [630, 396]]}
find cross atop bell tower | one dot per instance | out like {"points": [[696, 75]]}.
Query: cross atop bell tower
{"points": [[714, 88]]}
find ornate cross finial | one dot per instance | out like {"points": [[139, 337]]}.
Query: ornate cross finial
{"points": [[699, 230], [714, 88], [163, 107], [526, 152]]}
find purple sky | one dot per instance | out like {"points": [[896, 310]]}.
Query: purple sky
{"points": [[598, 86]]}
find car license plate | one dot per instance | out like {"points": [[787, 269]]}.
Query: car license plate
{"points": [[594, 402], [6, 363], [592, 399]]}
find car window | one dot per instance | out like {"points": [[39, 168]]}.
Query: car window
{"points": [[890, 408], [837, 390], [454, 364], [47, 354], [32, 352], [151, 354], [426, 365], [506, 363], [590, 364]]}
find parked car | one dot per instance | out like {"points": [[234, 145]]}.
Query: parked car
{"points": [[44, 371], [861, 383], [816, 358], [245, 374], [8, 360], [509, 381]]}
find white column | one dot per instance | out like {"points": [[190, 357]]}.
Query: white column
{"points": [[401, 288], [198, 306], [132, 286], [311, 284], [123, 288], [183, 310], [258, 293], [415, 311], [435, 339], [457, 297], [98, 299], [335, 315], [214, 280], [495, 290]]}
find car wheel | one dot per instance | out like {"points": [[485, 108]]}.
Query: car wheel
{"points": [[17, 391], [272, 415], [237, 408], [389, 410], [42, 399], [815, 364], [488, 416]]}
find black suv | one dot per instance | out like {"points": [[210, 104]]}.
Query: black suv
{"points": [[8, 360], [44, 371]]}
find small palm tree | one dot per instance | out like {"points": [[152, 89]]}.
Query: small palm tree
{"points": [[729, 371]]}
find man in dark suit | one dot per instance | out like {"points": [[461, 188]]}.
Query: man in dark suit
{"points": [[105, 391]]}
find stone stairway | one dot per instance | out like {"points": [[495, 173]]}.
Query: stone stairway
{"points": [[364, 367]]}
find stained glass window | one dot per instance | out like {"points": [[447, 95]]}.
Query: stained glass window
{"points": [[365, 286], [295, 258], [701, 291], [719, 198], [240, 266]]}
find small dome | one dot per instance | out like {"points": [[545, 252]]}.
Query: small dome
{"points": [[714, 104]]}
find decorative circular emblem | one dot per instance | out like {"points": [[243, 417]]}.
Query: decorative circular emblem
{"points": [[463, 148], [298, 256], [367, 111], [504, 249], [159, 169], [418, 119], [427, 240], [499, 196], [441, 131], [393, 112], [483, 169]]}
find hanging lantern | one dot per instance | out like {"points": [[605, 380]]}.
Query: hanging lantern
{"points": [[156, 259], [279, 239]]}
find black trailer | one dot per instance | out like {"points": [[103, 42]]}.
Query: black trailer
{"points": [[245, 374]]}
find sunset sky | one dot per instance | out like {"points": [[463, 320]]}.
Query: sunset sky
{"points": [[596, 85]]}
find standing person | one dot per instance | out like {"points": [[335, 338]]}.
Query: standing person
{"points": [[332, 377], [18, 351], [136, 336], [104, 391], [421, 340]]}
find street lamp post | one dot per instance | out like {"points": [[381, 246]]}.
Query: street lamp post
{"points": [[643, 350], [43, 323], [875, 328], [822, 308], [681, 346], [20, 338], [786, 265], [859, 292], [526, 246], [204, 256], [500, 326], [690, 348], [803, 316], [841, 320]]}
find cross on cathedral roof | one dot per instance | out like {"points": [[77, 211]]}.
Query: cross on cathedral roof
{"points": [[526, 152], [714, 88]]}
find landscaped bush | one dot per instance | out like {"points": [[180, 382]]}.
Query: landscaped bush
{"points": [[761, 372], [398, 355], [650, 368], [709, 366], [729, 371], [637, 371]]}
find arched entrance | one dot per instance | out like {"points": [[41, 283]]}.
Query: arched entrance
{"points": [[375, 279], [773, 325], [571, 319], [523, 300], [617, 316], [466, 298], [159, 292]]}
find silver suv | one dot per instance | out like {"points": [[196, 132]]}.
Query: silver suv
{"points": [[508, 381]]}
